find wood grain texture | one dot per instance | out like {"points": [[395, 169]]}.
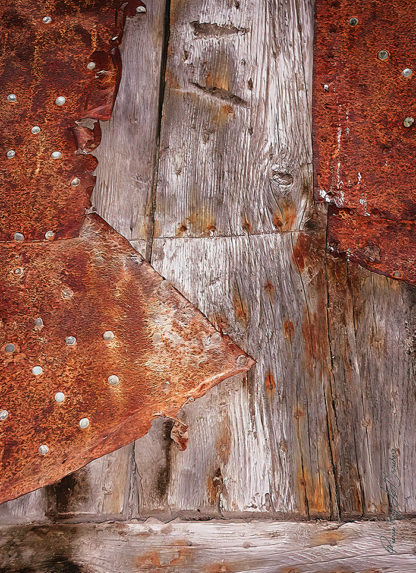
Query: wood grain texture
{"points": [[211, 547], [310, 431], [235, 103]]}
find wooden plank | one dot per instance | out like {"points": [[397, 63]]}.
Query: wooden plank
{"points": [[235, 142], [209, 547], [127, 152], [250, 443]]}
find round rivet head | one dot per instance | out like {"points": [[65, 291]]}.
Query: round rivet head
{"points": [[84, 423], [91, 65], [38, 322], [10, 347], [407, 72], [353, 21], [141, 9], [383, 55], [46, 19], [43, 449], [408, 122], [75, 182], [11, 153], [37, 370], [113, 380], [35, 129], [56, 155], [60, 100], [12, 97], [3, 415], [19, 237], [49, 235], [59, 397], [241, 360], [108, 335], [70, 340]]}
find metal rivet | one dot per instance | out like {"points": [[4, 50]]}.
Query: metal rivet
{"points": [[408, 122], [114, 38], [108, 335], [46, 19], [12, 97], [407, 72], [56, 155], [84, 423], [60, 100], [75, 182], [11, 153], [19, 237], [91, 65], [67, 293], [10, 347], [59, 397], [18, 271], [383, 55], [49, 235], [3, 415], [113, 379], [43, 449], [241, 360], [353, 21], [35, 129], [37, 370], [70, 340], [141, 9], [38, 322], [326, 87]]}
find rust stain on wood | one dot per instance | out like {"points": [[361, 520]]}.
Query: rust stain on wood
{"points": [[95, 343], [364, 125]]}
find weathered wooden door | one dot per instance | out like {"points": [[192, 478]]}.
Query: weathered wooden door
{"points": [[206, 168]]}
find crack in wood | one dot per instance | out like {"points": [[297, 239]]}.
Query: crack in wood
{"points": [[208, 29]]}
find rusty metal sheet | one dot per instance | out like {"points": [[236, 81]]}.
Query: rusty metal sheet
{"points": [[364, 129], [94, 343], [47, 50], [59, 299]]}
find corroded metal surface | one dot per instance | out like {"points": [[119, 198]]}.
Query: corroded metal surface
{"points": [[163, 352], [41, 61], [94, 342], [364, 136]]}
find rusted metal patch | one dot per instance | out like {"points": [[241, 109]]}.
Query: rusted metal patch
{"points": [[59, 298], [94, 342], [52, 50], [364, 130]]}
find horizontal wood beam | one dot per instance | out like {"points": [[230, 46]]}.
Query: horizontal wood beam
{"points": [[211, 546]]}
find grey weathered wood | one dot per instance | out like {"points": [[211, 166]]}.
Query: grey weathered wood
{"points": [[211, 547]]}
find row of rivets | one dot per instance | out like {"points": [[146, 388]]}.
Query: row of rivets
{"points": [[55, 154]]}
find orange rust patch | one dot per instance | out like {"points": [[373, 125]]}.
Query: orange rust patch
{"points": [[219, 568], [228, 109], [270, 384], [247, 225], [284, 218], [269, 288], [329, 537], [241, 308], [288, 329]]}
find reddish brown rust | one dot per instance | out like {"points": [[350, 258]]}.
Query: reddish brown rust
{"points": [[41, 61], [164, 352], [364, 154], [88, 329]]}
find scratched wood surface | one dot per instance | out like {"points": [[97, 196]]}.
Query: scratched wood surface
{"points": [[177, 547], [208, 173]]}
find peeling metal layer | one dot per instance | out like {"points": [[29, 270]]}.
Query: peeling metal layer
{"points": [[164, 352], [95, 344], [40, 62], [364, 136]]}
